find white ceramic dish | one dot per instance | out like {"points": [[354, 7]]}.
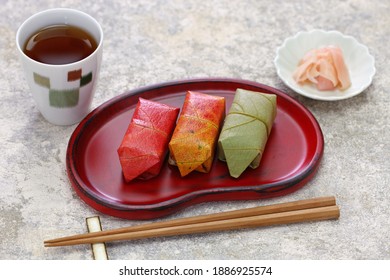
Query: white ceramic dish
{"points": [[360, 62]]}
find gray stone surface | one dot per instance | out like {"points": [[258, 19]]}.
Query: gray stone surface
{"points": [[148, 42]]}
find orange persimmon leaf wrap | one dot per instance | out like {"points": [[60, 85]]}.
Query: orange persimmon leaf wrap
{"points": [[145, 144], [194, 139]]}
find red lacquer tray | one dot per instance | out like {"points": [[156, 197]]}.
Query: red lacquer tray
{"points": [[292, 156]]}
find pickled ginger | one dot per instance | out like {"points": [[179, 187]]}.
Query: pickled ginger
{"points": [[324, 67]]}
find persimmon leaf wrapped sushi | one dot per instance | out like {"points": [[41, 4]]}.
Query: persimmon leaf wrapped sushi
{"points": [[194, 139], [246, 129], [145, 143]]}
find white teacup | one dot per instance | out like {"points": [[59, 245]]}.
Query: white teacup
{"points": [[63, 93]]}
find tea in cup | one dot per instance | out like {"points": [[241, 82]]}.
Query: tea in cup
{"points": [[61, 53]]}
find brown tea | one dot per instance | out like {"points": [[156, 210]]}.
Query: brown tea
{"points": [[60, 44]]}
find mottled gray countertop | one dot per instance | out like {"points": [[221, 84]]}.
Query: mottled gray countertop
{"points": [[148, 42]]}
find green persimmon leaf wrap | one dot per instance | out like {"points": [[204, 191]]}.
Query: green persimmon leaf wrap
{"points": [[246, 129]]}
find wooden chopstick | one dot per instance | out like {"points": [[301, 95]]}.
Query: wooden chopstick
{"points": [[283, 213], [260, 210]]}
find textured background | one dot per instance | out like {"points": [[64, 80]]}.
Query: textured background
{"points": [[148, 42]]}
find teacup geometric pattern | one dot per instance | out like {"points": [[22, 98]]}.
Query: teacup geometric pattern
{"points": [[62, 98]]}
